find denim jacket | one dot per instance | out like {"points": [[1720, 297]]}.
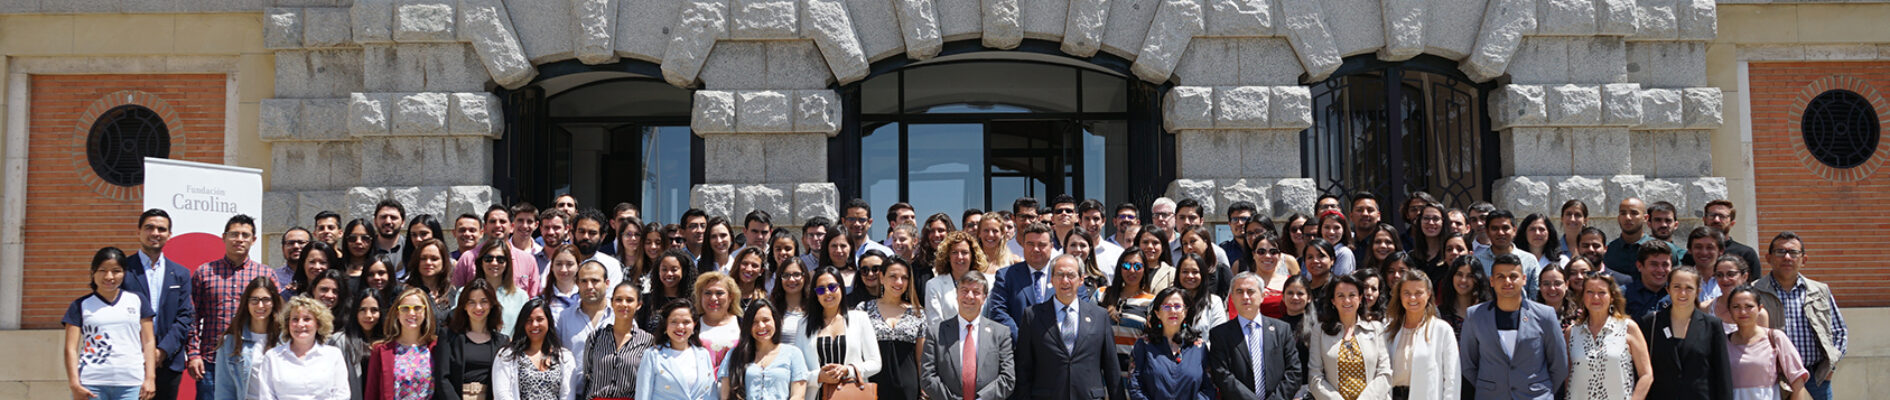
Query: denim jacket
{"points": [[234, 368]]}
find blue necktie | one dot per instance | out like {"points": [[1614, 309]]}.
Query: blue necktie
{"points": [[1069, 328], [1259, 352], [1035, 279]]}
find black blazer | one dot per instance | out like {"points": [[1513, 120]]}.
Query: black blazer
{"points": [[1693, 367], [1231, 368], [172, 318], [1045, 370], [450, 355]]}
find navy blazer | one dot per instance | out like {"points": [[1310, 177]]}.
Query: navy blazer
{"points": [[1013, 292], [1537, 365], [1046, 370], [173, 315]]}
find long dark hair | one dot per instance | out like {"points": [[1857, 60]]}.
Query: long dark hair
{"points": [[662, 317], [239, 324], [523, 342], [1160, 235], [1371, 257], [761, 281], [350, 259], [412, 267], [816, 312], [352, 326], [301, 280], [780, 294], [1112, 299], [430, 223], [1203, 292], [706, 251], [1522, 236], [1480, 292], [1206, 236], [911, 295], [461, 321], [1329, 312], [341, 287], [825, 257], [744, 354], [1375, 310], [1152, 331], [651, 320], [1286, 234]]}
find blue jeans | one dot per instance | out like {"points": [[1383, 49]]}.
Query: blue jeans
{"points": [[207, 385], [114, 392], [1819, 390]]}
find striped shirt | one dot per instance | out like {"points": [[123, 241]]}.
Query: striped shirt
{"points": [[216, 289], [611, 370]]}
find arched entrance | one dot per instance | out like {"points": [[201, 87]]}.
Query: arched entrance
{"points": [[605, 134], [1393, 128], [977, 130]]}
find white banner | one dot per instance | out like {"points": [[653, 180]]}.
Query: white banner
{"points": [[201, 198]]}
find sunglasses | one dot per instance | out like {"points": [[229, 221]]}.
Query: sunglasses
{"points": [[1267, 251], [492, 259], [828, 289], [1134, 266], [409, 307], [871, 269], [358, 238], [1064, 211], [676, 240]]}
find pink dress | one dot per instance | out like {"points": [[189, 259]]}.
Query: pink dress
{"points": [[1755, 368]]}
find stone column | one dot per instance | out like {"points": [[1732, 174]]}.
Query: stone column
{"points": [[1240, 143], [375, 100], [766, 150]]}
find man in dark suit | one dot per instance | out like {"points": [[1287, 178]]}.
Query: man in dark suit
{"points": [[1024, 284], [165, 286], [1066, 349], [1242, 341], [1531, 365], [979, 362]]}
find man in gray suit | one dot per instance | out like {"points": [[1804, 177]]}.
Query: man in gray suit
{"points": [[1512, 348], [944, 372]]}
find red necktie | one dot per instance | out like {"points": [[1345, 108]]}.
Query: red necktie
{"points": [[969, 362]]}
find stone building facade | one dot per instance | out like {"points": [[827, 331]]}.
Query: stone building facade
{"points": [[1594, 100]]}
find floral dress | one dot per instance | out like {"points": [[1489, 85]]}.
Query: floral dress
{"points": [[538, 385], [413, 372]]}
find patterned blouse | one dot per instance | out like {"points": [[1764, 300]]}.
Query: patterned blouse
{"points": [[534, 384], [907, 330], [413, 372]]}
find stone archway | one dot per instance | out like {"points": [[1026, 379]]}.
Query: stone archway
{"points": [[1588, 85]]}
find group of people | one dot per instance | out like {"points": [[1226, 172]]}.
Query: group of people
{"points": [[1034, 302]]}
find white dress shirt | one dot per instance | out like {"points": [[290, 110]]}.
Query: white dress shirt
{"points": [[282, 375]]}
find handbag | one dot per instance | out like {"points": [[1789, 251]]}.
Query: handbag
{"points": [[1784, 384], [851, 391]]}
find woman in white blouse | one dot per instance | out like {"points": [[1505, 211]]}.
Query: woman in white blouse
{"points": [[303, 368], [1424, 350], [839, 344], [534, 366], [956, 255]]}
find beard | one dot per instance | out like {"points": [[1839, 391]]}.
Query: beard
{"points": [[586, 246]]}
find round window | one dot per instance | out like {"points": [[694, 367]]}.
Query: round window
{"points": [[1840, 128], [121, 139]]}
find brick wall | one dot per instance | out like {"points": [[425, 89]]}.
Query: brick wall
{"points": [[60, 238], [1841, 213]]}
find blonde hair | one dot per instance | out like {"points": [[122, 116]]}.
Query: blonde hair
{"points": [[1002, 252], [390, 330], [1430, 304], [941, 263], [728, 282], [325, 322]]}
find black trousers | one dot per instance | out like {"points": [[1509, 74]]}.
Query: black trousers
{"points": [[167, 381]]}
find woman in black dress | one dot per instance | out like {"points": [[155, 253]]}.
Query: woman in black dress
{"points": [[897, 320]]}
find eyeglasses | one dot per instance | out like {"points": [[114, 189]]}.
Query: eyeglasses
{"points": [[358, 238], [857, 220], [295, 242], [259, 300], [409, 307], [1174, 307], [1164, 214], [1125, 217], [828, 289], [1792, 253], [1134, 266], [492, 259], [793, 275]]}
